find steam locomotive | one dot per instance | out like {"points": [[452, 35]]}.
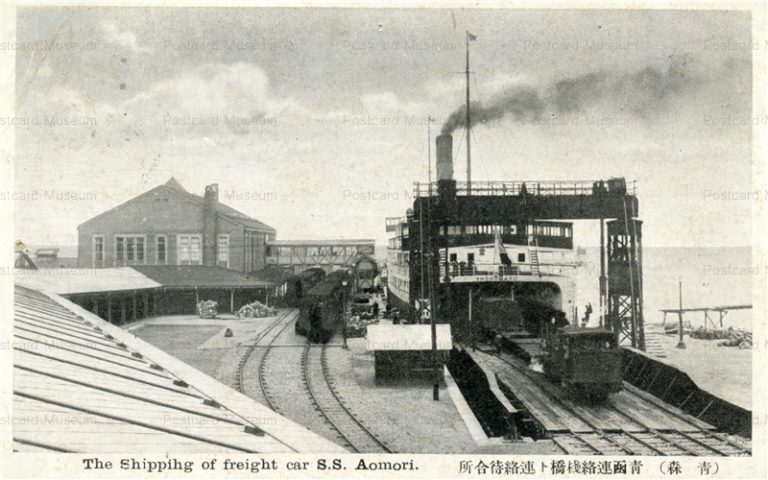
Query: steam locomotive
{"points": [[587, 361], [322, 307], [299, 284]]}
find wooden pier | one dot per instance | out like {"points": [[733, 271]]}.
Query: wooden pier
{"points": [[722, 311]]}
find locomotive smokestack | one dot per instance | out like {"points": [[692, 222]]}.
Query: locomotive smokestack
{"points": [[444, 145]]}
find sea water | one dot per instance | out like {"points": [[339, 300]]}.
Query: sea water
{"points": [[710, 277]]}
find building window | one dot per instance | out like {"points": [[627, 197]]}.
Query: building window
{"points": [[98, 251], [521, 257], [161, 251], [222, 251], [129, 250], [189, 250]]}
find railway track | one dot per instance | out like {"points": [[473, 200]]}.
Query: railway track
{"points": [[643, 440], [321, 397], [324, 396], [264, 343]]}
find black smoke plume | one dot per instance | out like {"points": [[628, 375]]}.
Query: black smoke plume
{"points": [[521, 103], [637, 93]]}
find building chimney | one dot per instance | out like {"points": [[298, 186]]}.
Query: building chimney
{"points": [[210, 202], [444, 157]]}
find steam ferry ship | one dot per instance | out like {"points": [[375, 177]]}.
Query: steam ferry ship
{"points": [[489, 259], [473, 253]]}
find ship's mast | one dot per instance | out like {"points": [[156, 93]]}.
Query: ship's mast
{"points": [[469, 154]]}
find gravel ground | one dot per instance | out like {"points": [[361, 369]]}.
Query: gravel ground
{"points": [[284, 379], [182, 342], [405, 417]]}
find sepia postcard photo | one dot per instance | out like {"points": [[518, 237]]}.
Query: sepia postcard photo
{"points": [[415, 240]]}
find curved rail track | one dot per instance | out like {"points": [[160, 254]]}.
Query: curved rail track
{"points": [[645, 441], [265, 340], [335, 417], [325, 397]]}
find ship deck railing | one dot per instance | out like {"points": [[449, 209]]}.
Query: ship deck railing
{"points": [[516, 269], [533, 187]]}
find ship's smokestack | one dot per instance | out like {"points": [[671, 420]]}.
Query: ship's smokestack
{"points": [[446, 185], [444, 157]]}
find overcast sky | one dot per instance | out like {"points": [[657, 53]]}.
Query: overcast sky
{"points": [[314, 121]]}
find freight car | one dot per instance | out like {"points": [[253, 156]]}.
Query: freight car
{"points": [[322, 307], [585, 360]]}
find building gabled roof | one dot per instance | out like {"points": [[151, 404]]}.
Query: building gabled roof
{"points": [[200, 276], [241, 218], [81, 384], [174, 184], [174, 187]]}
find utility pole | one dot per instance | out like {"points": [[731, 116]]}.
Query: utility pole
{"points": [[344, 284], [432, 303], [681, 342], [603, 283], [421, 208], [429, 153], [467, 120], [433, 327]]}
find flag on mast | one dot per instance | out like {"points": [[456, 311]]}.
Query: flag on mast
{"points": [[501, 251], [470, 36]]}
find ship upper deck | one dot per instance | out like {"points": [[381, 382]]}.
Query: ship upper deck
{"points": [[494, 272], [495, 201], [532, 187]]}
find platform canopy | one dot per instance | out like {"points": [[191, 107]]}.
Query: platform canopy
{"points": [[68, 281], [200, 276], [408, 337], [81, 384]]}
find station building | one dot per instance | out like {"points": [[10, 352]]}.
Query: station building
{"points": [[168, 225]]}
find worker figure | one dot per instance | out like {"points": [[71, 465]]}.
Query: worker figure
{"points": [[587, 313], [498, 340]]}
